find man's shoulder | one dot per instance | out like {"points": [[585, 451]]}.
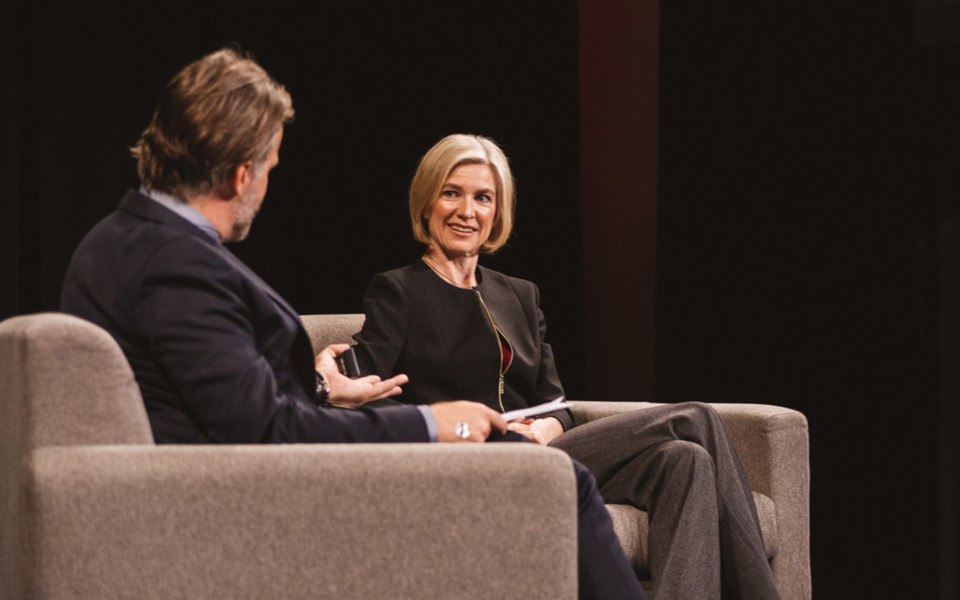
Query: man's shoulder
{"points": [[138, 240], [138, 215]]}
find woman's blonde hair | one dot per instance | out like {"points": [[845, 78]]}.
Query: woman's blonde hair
{"points": [[436, 166]]}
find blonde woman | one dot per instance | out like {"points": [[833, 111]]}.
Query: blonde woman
{"points": [[462, 331]]}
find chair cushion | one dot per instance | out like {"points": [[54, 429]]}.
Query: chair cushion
{"points": [[632, 526]]}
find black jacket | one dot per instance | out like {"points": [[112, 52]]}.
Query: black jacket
{"points": [[219, 356], [444, 339]]}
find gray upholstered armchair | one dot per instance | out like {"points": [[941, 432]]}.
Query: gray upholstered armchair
{"points": [[91, 508], [771, 440]]}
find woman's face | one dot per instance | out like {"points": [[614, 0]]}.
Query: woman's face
{"points": [[463, 214]]}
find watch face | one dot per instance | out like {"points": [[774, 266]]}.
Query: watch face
{"points": [[323, 388]]}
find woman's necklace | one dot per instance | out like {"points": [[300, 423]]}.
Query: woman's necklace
{"points": [[444, 277]]}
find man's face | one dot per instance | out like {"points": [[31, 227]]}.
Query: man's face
{"points": [[247, 205]]}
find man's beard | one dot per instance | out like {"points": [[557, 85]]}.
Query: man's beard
{"points": [[244, 213]]}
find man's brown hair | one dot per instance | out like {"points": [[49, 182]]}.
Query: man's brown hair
{"points": [[216, 114]]}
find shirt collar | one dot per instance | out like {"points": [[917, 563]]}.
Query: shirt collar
{"points": [[184, 210]]}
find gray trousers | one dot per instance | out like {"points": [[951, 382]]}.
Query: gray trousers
{"points": [[676, 462]]}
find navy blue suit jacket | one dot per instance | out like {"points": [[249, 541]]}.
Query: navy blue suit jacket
{"points": [[219, 356]]}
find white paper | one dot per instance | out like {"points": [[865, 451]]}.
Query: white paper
{"points": [[553, 406]]}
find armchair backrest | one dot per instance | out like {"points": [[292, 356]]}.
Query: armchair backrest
{"points": [[65, 382], [331, 329]]}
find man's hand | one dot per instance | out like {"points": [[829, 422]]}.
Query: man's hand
{"points": [[351, 393], [480, 420], [541, 431]]}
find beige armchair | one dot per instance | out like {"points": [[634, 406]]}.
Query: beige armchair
{"points": [[91, 508], [773, 445]]}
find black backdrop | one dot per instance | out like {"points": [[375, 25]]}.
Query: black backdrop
{"points": [[374, 85], [808, 157]]}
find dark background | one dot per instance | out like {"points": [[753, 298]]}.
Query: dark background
{"points": [[809, 157], [808, 165]]}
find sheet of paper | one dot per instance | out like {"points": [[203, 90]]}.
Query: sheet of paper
{"points": [[554, 405]]}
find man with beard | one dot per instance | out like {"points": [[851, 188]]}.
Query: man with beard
{"points": [[219, 356]]}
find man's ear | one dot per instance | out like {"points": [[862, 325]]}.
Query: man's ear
{"points": [[236, 184]]}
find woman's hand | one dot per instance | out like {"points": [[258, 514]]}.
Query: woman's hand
{"points": [[541, 431], [351, 393]]}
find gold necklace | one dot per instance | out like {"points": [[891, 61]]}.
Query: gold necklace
{"points": [[442, 276]]}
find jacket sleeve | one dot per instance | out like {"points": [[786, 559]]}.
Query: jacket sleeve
{"points": [[548, 380], [195, 317], [384, 333]]}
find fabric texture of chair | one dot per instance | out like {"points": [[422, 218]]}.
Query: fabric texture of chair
{"points": [[92, 508], [773, 445]]}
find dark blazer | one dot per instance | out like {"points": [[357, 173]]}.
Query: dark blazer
{"points": [[442, 337], [219, 356]]}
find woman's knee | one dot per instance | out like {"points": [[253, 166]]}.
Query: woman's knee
{"points": [[701, 411], [697, 421]]}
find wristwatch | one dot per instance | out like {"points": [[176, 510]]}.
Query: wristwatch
{"points": [[323, 389]]}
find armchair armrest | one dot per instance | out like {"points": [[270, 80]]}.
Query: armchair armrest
{"points": [[773, 445], [299, 521]]}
